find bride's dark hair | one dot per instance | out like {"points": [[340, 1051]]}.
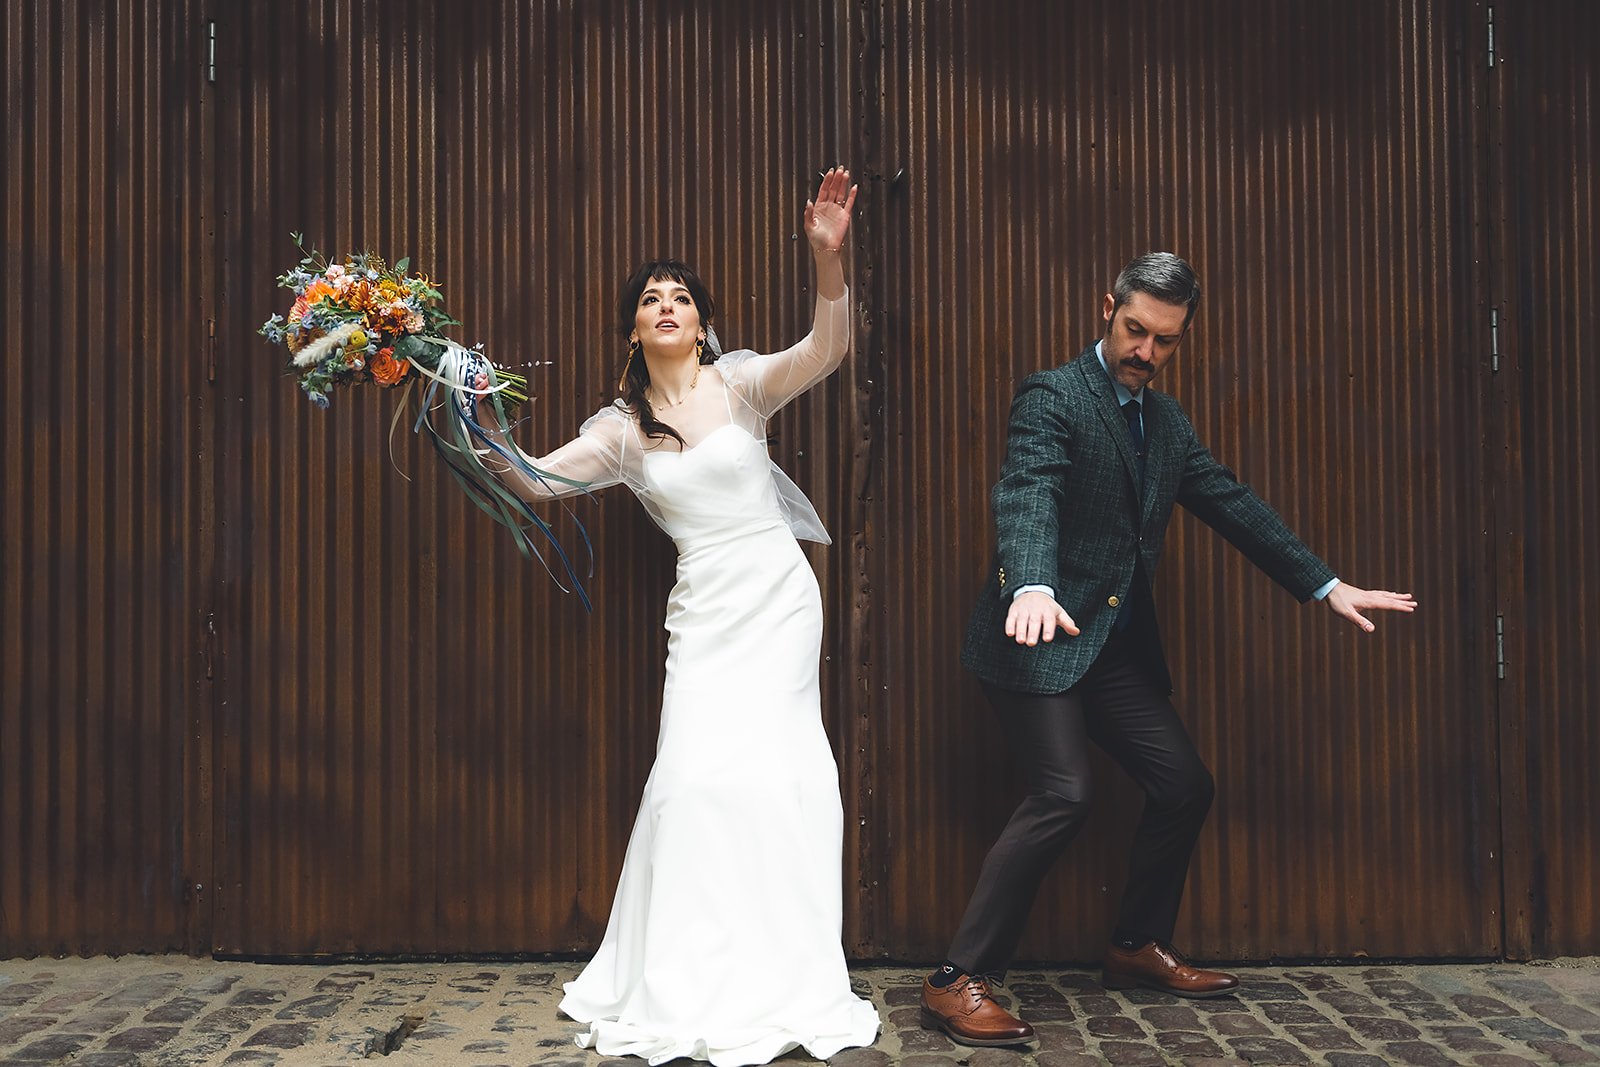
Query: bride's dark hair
{"points": [[636, 378]]}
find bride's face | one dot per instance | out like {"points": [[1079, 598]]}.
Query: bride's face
{"points": [[667, 321]]}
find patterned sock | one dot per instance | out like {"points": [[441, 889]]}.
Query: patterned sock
{"points": [[945, 975]]}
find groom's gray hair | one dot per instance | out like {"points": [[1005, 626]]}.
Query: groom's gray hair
{"points": [[1163, 276]]}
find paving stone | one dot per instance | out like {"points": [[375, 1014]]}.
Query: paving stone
{"points": [[1054, 1038], [1502, 1059], [50, 1047], [1114, 1026], [1292, 1012], [1528, 989], [924, 1041], [344, 981], [320, 1006], [211, 985], [1129, 1054], [1171, 1017], [1316, 981], [1480, 1007], [62, 1001], [99, 1020], [1324, 1038], [1065, 1059], [1570, 1016], [1398, 989], [1272, 1050], [861, 1057], [253, 1055], [899, 996], [1147, 996], [536, 978], [1418, 1053], [1239, 1025], [141, 1038], [1099, 1004], [997, 1057], [106, 1059], [1565, 1052], [18, 1027], [1079, 982], [176, 1010], [231, 1020], [905, 1018], [21, 992], [1431, 1011], [1592, 1039], [254, 997], [141, 991], [281, 1035], [1524, 1028], [1216, 1061], [1375, 1029], [1188, 1044], [1465, 1038], [1348, 1003], [1258, 990], [1355, 1059], [925, 1059]]}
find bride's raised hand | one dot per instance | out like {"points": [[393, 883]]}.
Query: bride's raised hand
{"points": [[827, 218]]}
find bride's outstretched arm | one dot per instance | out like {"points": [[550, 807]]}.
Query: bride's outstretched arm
{"points": [[592, 460], [776, 379]]}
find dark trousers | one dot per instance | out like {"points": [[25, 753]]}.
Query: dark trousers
{"points": [[1119, 708]]}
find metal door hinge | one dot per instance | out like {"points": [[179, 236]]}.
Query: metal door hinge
{"points": [[1491, 38], [1494, 340], [1500, 647], [211, 51]]}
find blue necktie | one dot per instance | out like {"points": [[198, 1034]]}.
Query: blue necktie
{"points": [[1131, 412]]}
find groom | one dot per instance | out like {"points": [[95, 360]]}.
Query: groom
{"points": [[1064, 642]]}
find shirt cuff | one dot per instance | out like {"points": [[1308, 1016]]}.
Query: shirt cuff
{"points": [[1323, 591], [1045, 589]]}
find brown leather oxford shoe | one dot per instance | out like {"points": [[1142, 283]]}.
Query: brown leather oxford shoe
{"points": [[966, 1011], [1157, 966]]}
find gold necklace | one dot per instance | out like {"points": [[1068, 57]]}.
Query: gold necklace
{"points": [[692, 383]]}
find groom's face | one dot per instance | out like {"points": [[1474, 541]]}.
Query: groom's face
{"points": [[1141, 337]]}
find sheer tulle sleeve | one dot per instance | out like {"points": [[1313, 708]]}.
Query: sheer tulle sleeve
{"points": [[769, 382], [593, 459]]}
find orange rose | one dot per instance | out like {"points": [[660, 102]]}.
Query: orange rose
{"points": [[385, 369]]}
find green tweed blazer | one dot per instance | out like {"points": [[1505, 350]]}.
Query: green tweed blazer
{"points": [[1068, 514]]}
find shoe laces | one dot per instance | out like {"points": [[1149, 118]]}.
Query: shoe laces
{"points": [[981, 984]]}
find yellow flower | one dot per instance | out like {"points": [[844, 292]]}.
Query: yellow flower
{"points": [[358, 340]]}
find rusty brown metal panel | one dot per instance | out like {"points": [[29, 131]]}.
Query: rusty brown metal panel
{"points": [[429, 749], [1317, 163], [1547, 287], [104, 362]]}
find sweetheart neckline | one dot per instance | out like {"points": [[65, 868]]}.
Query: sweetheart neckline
{"points": [[696, 446]]}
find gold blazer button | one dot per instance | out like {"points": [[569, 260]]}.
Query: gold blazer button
{"points": [[1112, 601]]}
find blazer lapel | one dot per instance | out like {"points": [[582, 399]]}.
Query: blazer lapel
{"points": [[1160, 451], [1111, 414]]}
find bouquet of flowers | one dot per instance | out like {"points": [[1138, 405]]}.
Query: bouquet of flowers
{"points": [[360, 320]]}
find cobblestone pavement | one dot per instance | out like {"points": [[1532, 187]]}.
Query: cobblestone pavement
{"points": [[172, 1011]]}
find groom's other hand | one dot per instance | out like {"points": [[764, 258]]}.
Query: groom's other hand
{"points": [[1036, 615]]}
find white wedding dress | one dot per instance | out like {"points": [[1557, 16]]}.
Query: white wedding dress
{"points": [[724, 937]]}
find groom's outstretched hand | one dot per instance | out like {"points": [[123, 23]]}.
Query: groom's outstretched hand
{"points": [[1350, 601], [1035, 615]]}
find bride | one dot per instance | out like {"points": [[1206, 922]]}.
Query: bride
{"points": [[724, 937]]}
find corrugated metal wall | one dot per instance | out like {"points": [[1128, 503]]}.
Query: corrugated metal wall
{"points": [[103, 698], [1546, 130], [414, 745]]}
